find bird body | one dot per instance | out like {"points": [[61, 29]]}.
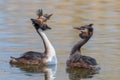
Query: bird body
{"points": [[76, 59], [48, 57]]}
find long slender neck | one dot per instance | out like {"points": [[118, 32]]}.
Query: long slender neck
{"points": [[47, 45], [78, 45]]}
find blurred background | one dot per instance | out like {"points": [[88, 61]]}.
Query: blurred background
{"points": [[17, 34]]}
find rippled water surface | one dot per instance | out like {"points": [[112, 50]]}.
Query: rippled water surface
{"points": [[17, 36]]}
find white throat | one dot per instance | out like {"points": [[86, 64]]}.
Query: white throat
{"points": [[50, 51]]}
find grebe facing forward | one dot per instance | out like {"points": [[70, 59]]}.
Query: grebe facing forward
{"points": [[76, 59], [48, 57]]}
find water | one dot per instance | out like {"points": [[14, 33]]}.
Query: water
{"points": [[17, 36]]}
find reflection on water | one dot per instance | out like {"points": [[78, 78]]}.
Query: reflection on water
{"points": [[81, 73], [48, 71], [18, 36]]}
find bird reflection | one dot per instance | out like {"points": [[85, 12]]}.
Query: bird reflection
{"points": [[48, 71], [81, 73]]}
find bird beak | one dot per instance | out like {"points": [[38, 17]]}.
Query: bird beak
{"points": [[33, 20], [78, 28], [90, 25], [49, 27]]}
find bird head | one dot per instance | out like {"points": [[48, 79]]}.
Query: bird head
{"points": [[86, 31], [40, 22]]}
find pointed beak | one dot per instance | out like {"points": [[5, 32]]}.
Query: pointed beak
{"points": [[90, 24], [78, 28], [35, 23], [33, 20], [49, 28]]}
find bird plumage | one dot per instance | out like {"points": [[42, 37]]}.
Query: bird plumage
{"points": [[76, 59]]}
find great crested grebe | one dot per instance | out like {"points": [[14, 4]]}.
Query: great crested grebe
{"points": [[48, 57], [76, 59]]}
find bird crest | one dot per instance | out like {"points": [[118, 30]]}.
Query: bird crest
{"points": [[40, 22], [43, 17]]}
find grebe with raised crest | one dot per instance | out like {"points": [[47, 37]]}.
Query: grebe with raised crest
{"points": [[48, 57], [76, 59]]}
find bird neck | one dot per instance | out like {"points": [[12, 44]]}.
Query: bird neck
{"points": [[78, 45], [49, 49]]}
